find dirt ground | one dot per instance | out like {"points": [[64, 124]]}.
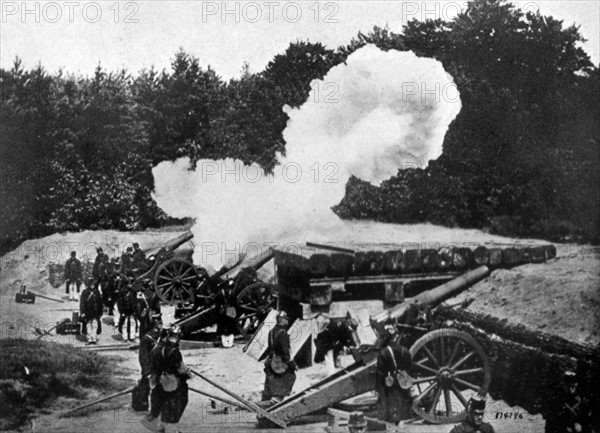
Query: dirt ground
{"points": [[561, 296]]}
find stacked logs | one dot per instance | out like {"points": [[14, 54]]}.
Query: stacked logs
{"points": [[299, 269]]}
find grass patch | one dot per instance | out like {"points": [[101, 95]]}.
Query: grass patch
{"points": [[55, 370]]}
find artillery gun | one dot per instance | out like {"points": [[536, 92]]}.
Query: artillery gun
{"points": [[201, 298], [449, 365]]}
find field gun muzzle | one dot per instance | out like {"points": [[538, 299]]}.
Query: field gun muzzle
{"points": [[171, 244], [431, 297]]}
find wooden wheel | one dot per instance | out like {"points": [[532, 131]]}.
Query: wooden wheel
{"points": [[175, 280], [448, 367], [253, 305]]}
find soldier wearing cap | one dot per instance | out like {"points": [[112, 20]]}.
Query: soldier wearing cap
{"points": [[169, 382], [113, 286], [148, 341], [127, 262], [280, 368], [127, 304], [474, 422], [147, 304], [100, 269], [138, 260], [90, 311], [571, 412], [73, 276]]}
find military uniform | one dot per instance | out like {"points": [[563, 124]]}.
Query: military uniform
{"points": [[90, 309], [336, 335], [127, 304], [279, 368], [73, 277], [127, 263], [148, 342], [146, 306], [100, 270], [395, 403], [138, 260], [167, 361], [467, 426]]}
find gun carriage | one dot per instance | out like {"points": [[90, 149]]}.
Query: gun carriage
{"points": [[201, 298], [449, 366]]}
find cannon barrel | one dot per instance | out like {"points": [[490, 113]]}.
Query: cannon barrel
{"points": [[433, 296], [172, 243]]}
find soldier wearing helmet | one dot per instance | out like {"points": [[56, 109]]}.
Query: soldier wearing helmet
{"points": [[280, 373], [474, 422]]}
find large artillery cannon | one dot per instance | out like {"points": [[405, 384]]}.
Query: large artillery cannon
{"points": [[235, 293], [173, 277], [449, 366], [200, 298]]}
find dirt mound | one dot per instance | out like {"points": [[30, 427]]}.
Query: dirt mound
{"points": [[560, 297]]}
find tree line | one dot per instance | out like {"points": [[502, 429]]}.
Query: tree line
{"points": [[521, 159]]}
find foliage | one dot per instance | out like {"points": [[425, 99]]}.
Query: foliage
{"points": [[522, 158]]}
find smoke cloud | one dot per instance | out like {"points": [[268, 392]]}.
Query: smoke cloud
{"points": [[376, 114]]}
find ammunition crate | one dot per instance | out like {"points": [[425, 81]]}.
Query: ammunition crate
{"points": [[24, 297], [68, 327]]}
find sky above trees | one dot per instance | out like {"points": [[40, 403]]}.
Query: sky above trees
{"points": [[224, 35]]}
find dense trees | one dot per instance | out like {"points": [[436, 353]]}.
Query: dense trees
{"points": [[522, 157]]}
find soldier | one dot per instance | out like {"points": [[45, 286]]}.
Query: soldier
{"points": [[571, 413], [474, 422], [280, 373], [127, 262], [90, 311], [148, 304], [169, 377], [393, 384], [332, 341], [100, 269], [73, 276], [147, 342], [138, 260], [127, 305], [113, 286]]}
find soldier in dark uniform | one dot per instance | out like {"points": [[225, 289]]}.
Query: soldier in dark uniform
{"points": [[90, 311], [474, 422], [138, 260], [100, 269], [127, 262], [570, 412], [147, 342], [73, 276], [113, 286], [127, 304], [393, 383], [336, 336], [280, 368], [148, 304], [169, 380]]}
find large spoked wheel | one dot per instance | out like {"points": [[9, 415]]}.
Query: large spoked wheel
{"points": [[253, 306], [449, 367], [175, 280]]}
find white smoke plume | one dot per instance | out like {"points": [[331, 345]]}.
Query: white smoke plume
{"points": [[379, 112]]}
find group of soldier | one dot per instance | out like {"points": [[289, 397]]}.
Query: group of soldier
{"points": [[163, 385], [112, 283]]}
